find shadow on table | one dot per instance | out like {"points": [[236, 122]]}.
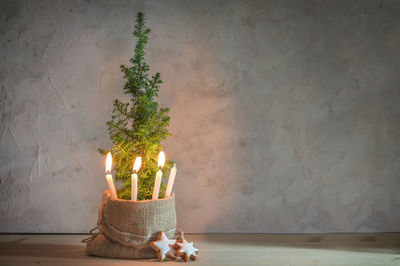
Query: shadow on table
{"points": [[18, 248]]}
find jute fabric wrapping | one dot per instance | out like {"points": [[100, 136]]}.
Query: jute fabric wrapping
{"points": [[126, 227]]}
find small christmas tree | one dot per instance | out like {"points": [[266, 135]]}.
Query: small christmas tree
{"points": [[137, 127]]}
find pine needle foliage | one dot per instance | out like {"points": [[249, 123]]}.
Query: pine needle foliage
{"points": [[137, 127]]}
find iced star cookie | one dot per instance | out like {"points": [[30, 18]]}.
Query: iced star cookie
{"points": [[163, 246], [186, 251]]}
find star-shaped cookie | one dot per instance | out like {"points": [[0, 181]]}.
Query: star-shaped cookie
{"points": [[163, 246], [186, 251]]}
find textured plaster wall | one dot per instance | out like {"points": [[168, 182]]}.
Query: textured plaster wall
{"points": [[285, 115]]}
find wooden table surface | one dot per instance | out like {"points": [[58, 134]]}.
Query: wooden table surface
{"points": [[218, 249]]}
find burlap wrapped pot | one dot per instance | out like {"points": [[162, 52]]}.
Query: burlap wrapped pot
{"points": [[126, 227]]}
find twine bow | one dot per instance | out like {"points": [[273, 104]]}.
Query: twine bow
{"points": [[92, 235]]}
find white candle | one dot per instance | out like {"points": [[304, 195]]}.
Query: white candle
{"points": [[134, 186], [157, 183], [171, 181], [109, 177]]}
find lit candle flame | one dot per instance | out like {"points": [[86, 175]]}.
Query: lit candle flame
{"points": [[161, 159], [108, 162], [136, 165]]}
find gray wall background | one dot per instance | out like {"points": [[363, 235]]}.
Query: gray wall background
{"points": [[285, 115]]}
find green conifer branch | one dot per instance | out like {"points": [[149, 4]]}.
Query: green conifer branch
{"points": [[137, 127]]}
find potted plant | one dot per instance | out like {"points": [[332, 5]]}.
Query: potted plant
{"points": [[127, 227]]}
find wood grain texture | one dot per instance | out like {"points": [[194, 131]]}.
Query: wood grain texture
{"points": [[219, 249]]}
